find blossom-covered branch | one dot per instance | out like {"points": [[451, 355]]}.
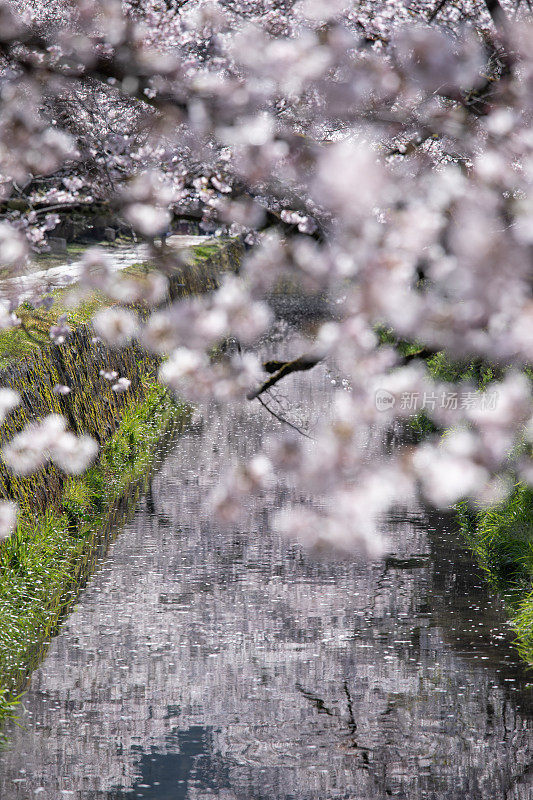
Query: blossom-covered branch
{"points": [[368, 159]]}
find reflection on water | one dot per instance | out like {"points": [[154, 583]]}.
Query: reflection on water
{"points": [[202, 663]]}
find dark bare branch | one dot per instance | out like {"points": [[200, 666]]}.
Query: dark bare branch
{"points": [[300, 364], [496, 12], [438, 8]]}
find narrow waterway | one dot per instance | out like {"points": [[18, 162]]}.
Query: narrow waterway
{"points": [[204, 663], [58, 276]]}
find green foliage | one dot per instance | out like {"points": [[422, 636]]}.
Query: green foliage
{"points": [[50, 556], [523, 625], [442, 368], [8, 707], [65, 523], [439, 365], [502, 540], [404, 348], [421, 425]]}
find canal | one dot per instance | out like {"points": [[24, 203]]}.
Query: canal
{"points": [[205, 663]]}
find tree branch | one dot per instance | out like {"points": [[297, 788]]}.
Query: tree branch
{"points": [[300, 364], [496, 12], [438, 8]]}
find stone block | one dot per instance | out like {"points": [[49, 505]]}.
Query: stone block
{"points": [[57, 244]]}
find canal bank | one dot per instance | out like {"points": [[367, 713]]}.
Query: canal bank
{"points": [[499, 537], [502, 540], [66, 523]]}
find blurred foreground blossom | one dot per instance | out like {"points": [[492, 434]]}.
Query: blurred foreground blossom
{"points": [[183, 366], [116, 326], [61, 389], [9, 399], [378, 173], [148, 220], [46, 440], [109, 375], [8, 519], [14, 249], [122, 385], [324, 532], [73, 454], [60, 331]]}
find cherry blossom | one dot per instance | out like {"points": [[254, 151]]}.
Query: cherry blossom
{"points": [[46, 440], [122, 385], [9, 399], [73, 454], [116, 326], [374, 157], [8, 519]]}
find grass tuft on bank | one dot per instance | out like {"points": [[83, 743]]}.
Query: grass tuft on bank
{"points": [[65, 524], [51, 555], [502, 541]]}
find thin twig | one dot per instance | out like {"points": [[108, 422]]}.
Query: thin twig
{"points": [[438, 8], [282, 419]]}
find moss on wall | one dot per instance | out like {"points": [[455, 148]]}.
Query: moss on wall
{"points": [[66, 523], [46, 563]]}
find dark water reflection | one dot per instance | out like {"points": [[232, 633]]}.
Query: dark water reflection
{"points": [[202, 663]]}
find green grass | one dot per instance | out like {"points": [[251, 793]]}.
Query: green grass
{"points": [[439, 365], [206, 251], [44, 565], [502, 541], [523, 624], [16, 343], [66, 523]]}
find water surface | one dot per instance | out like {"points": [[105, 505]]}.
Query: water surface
{"points": [[59, 276], [205, 663]]}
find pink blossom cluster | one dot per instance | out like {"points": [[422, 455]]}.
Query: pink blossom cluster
{"points": [[378, 154]]}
